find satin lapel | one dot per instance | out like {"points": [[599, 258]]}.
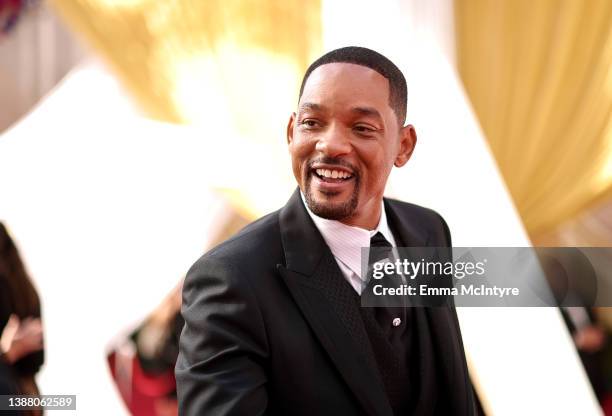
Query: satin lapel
{"points": [[329, 305]]}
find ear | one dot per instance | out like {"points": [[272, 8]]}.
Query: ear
{"points": [[290, 128], [408, 139]]}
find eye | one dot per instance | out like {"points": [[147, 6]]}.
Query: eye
{"points": [[310, 123], [364, 129]]}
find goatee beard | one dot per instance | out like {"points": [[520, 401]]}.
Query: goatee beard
{"points": [[330, 210]]}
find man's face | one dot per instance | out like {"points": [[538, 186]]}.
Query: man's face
{"points": [[344, 140]]}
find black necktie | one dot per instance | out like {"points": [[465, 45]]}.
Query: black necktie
{"points": [[387, 328], [381, 249]]}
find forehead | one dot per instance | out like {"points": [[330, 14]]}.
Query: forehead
{"points": [[344, 84]]}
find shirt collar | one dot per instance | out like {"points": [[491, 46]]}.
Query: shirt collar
{"points": [[346, 241]]}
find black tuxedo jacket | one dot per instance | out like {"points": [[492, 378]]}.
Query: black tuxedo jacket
{"points": [[272, 327]]}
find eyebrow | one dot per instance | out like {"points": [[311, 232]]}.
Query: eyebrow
{"points": [[364, 111], [310, 106], [367, 111]]}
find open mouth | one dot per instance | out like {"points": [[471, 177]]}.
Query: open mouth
{"points": [[334, 175]]}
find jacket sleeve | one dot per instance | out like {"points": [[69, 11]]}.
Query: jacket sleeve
{"points": [[223, 347]]}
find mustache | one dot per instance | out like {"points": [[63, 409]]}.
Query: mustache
{"points": [[333, 161]]}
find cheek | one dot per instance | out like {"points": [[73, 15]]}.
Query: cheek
{"points": [[300, 149], [302, 146], [377, 178], [375, 165]]}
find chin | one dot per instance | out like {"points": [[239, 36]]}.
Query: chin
{"points": [[331, 207]]}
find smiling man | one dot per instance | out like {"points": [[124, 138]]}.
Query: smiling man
{"points": [[273, 318]]}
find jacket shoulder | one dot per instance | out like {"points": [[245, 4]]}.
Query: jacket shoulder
{"points": [[415, 211], [428, 220]]}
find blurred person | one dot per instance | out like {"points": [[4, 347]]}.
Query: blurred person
{"points": [[573, 281], [21, 342], [273, 321], [590, 338], [143, 364]]}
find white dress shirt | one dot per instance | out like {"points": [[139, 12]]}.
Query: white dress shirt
{"points": [[346, 242]]}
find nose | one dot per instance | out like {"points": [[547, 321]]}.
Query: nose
{"points": [[333, 142]]}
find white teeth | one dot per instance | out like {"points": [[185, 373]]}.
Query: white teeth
{"points": [[333, 174]]}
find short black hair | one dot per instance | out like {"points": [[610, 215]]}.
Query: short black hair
{"points": [[398, 91]]}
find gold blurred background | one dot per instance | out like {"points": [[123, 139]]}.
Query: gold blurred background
{"points": [[539, 75]]}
